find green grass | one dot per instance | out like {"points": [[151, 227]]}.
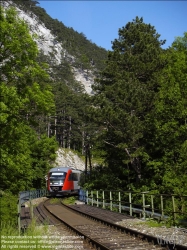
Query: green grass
{"points": [[35, 237], [8, 228], [69, 201], [54, 201], [154, 223]]}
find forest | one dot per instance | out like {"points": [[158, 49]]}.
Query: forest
{"points": [[135, 123]]}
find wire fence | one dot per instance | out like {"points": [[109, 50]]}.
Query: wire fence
{"points": [[145, 204], [26, 196]]}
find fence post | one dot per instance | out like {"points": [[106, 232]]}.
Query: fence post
{"points": [[87, 197], [143, 200], [82, 195], [31, 207], [182, 209], [19, 215], [110, 201], [162, 206], [130, 203], [119, 202], [152, 205], [92, 197], [103, 199], [97, 198], [173, 202]]}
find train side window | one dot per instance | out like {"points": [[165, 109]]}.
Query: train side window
{"points": [[70, 177], [73, 177]]}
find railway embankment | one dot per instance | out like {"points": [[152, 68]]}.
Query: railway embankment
{"points": [[161, 232]]}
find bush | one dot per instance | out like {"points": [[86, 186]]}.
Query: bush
{"points": [[8, 208]]}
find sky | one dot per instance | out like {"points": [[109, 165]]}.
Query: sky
{"points": [[100, 21]]}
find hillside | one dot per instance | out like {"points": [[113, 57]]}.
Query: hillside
{"points": [[60, 45], [73, 63], [135, 122]]}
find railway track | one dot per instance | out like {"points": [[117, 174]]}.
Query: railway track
{"points": [[101, 233], [60, 232], [97, 227], [171, 238]]}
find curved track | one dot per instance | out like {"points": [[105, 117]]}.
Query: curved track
{"points": [[102, 234], [98, 227], [112, 218], [43, 216]]}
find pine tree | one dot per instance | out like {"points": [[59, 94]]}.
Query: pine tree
{"points": [[125, 94]]}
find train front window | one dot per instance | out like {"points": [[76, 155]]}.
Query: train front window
{"points": [[58, 175], [57, 178]]}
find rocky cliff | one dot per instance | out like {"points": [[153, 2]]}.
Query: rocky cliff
{"points": [[48, 44], [66, 157]]}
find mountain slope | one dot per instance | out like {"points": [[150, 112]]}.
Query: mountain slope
{"points": [[73, 64], [59, 44]]}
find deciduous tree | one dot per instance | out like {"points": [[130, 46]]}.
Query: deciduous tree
{"points": [[25, 95]]}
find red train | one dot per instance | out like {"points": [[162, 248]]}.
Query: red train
{"points": [[63, 181]]}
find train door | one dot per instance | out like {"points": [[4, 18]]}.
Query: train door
{"points": [[75, 177]]}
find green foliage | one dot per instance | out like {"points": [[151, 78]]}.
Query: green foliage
{"points": [[102, 178], [125, 94], [135, 123], [70, 200], [87, 56], [43, 155], [15, 159], [54, 201], [8, 209], [140, 107], [33, 234], [167, 162], [154, 223], [180, 43], [25, 96], [70, 110]]}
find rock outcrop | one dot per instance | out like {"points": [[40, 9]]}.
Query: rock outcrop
{"points": [[66, 158]]}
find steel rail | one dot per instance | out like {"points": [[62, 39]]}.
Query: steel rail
{"points": [[88, 239], [142, 236]]}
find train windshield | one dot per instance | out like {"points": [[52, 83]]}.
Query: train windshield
{"points": [[57, 175], [57, 178]]}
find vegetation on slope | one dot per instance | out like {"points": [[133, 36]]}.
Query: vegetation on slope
{"points": [[26, 96], [77, 45], [136, 122]]}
